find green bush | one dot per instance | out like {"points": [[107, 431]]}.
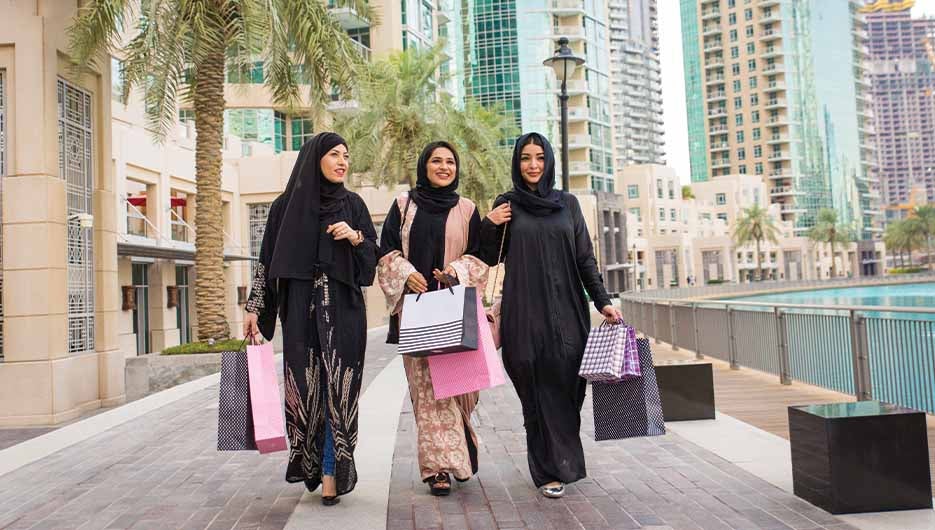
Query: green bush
{"points": [[204, 347], [906, 270], [716, 282]]}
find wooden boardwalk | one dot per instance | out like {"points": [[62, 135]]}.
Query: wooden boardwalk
{"points": [[760, 400]]}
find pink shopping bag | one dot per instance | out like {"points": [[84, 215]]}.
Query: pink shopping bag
{"points": [[269, 429], [454, 374]]}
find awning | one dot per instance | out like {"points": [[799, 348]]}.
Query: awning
{"points": [[140, 200], [149, 251]]}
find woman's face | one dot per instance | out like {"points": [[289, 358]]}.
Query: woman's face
{"points": [[532, 164], [335, 163], [441, 167]]}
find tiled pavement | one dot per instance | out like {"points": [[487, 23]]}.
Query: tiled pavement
{"points": [[159, 471], [656, 483]]}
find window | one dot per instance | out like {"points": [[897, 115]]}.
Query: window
{"points": [[636, 213], [258, 215], [749, 32], [736, 85], [673, 215], [671, 190], [247, 74], [720, 199], [633, 191], [732, 19], [741, 154], [662, 214], [758, 168], [748, 14], [743, 169], [186, 116], [734, 52], [279, 131], [735, 69], [706, 217], [751, 48], [738, 119], [755, 115], [756, 133], [731, 3], [751, 65], [733, 35], [757, 151], [302, 131], [117, 80], [427, 19], [740, 137], [723, 217], [659, 190], [753, 82], [738, 103]]}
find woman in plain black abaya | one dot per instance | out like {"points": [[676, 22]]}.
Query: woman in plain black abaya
{"points": [[545, 319], [318, 250]]}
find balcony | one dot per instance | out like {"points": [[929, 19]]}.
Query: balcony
{"points": [[715, 79], [774, 86], [770, 35], [572, 32], [568, 7], [778, 139], [714, 62], [578, 169], [791, 209], [578, 114], [778, 155], [714, 113], [343, 105], [769, 18], [579, 141], [784, 191], [779, 175], [713, 46], [720, 146], [763, 4], [362, 49], [711, 29], [720, 163], [771, 51], [718, 129], [348, 17], [576, 87], [774, 69], [778, 121], [717, 95], [709, 14], [775, 103]]}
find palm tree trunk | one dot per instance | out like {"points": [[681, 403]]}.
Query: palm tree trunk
{"points": [[928, 251], [834, 266], [210, 302], [759, 265]]}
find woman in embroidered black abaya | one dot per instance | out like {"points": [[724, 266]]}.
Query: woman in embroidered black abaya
{"points": [[318, 250], [545, 318]]}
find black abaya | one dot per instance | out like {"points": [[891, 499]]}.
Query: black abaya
{"points": [[545, 322]]}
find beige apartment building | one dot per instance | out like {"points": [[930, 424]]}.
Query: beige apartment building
{"points": [[672, 239], [97, 218]]}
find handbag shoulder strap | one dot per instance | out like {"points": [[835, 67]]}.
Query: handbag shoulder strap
{"points": [[402, 220], [496, 276]]}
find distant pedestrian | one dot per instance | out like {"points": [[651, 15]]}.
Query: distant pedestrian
{"points": [[545, 317], [318, 250], [432, 234]]}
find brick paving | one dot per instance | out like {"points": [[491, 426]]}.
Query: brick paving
{"points": [[159, 471], [660, 483]]}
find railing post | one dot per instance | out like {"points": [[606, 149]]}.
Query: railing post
{"points": [[781, 345], [698, 354], [860, 357], [731, 342], [674, 342], [655, 322]]}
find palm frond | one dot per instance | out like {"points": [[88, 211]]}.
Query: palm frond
{"points": [[95, 30]]}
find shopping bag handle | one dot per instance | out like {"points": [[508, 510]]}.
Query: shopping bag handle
{"points": [[448, 281]]}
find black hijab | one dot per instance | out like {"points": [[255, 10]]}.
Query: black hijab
{"points": [[545, 199], [427, 234], [312, 202]]}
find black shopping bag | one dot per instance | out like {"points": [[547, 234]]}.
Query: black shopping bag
{"points": [[629, 408], [235, 417]]}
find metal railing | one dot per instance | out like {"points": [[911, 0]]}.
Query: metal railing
{"points": [[872, 352]]}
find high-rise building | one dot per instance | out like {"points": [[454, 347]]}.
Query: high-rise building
{"points": [[778, 88], [902, 66], [636, 84], [503, 65]]}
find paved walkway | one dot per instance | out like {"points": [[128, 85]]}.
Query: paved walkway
{"points": [[160, 470]]}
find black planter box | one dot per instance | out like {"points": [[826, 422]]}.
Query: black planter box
{"points": [[867, 456], [686, 389]]}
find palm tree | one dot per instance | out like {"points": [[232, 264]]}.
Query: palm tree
{"points": [[755, 225], [904, 236], [179, 49], [400, 111], [926, 224], [829, 230], [687, 192]]}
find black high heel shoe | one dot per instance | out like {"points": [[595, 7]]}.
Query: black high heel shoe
{"points": [[330, 500]]}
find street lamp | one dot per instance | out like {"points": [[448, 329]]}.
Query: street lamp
{"points": [[564, 63]]}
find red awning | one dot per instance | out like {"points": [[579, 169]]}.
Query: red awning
{"points": [[140, 200], [178, 201]]}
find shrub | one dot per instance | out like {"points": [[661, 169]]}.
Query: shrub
{"points": [[905, 270], [204, 347]]}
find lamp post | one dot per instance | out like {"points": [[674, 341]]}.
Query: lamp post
{"points": [[564, 62]]}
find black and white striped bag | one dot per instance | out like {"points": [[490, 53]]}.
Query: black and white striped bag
{"points": [[437, 322]]}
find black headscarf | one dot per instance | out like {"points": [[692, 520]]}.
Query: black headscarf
{"points": [[545, 199], [312, 202], [427, 234]]}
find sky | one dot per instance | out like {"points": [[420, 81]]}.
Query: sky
{"points": [[673, 84]]}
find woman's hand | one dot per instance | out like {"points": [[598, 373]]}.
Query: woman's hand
{"points": [[416, 283], [440, 276], [343, 231], [501, 214], [611, 314], [250, 327]]}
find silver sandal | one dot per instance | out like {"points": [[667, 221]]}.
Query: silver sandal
{"points": [[553, 492]]}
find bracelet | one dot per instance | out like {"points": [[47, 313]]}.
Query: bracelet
{"points": [[360, 238]]}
